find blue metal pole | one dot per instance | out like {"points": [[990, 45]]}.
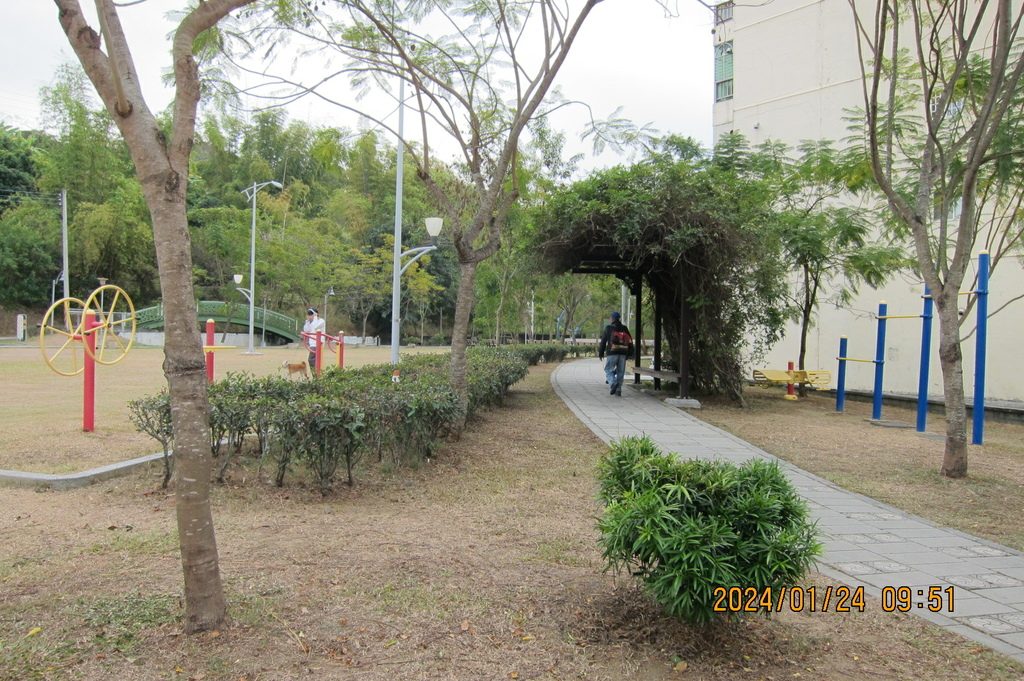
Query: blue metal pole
{"points": [[841, 386], [978, 411], [926, 351], [876, 408]]}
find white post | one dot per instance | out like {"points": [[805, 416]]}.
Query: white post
{"points": [[396, 278], [252, 269], [64, 237], [252, 259]]}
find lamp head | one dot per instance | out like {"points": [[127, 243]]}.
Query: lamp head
{"points": [[238, 279], [277, 184], [433, 226]]}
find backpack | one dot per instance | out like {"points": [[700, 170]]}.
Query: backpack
{"points": [[621, 340]]}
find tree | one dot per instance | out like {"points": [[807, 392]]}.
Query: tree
{"points": [[87, 157], [18, 169], [942, 94], [29, 254], [458, 83], [162, 163], [829, 243]]}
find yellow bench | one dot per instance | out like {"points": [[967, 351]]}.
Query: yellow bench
{"points": [[769, 377]]}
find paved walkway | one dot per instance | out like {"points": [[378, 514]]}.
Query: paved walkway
{"points": [[867, 543]]}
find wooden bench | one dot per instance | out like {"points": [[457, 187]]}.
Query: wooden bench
{"points": [[657, 374], [769, 377]]}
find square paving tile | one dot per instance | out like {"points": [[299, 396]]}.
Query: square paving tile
{"points": [[1011, 595], [971, 607], [969, 581], [834, 558], [1001, 562], [948, 569], [1016, 619], [990, 625], [1015, 639], [918, 558], [856, 568], [914, 579]]}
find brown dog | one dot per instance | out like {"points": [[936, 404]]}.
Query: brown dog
{"points": [[299, 368]]}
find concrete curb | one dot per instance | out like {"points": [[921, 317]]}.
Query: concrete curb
{"points": [[72, 480]]}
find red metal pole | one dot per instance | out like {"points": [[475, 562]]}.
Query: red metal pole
{"points": [[209, 355], [89, 374], [341, 349], [789, 386]]}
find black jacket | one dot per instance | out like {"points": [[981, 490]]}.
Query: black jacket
{"points": [[606, 340]]}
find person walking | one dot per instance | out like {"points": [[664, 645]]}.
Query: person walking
{"points": [[312, 325], [615, 346]]}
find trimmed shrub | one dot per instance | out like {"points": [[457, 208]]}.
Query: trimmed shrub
{"points": [[688, 527], [322, 431], [152, 415], [323, 423]]}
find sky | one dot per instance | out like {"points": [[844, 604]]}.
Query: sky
{"points": [[660, 70]]}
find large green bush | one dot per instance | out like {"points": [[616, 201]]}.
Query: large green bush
{"points": [[320, 425], [687, 527]]}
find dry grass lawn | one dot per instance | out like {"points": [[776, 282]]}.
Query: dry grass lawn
{"points": [[480, 565], [895, 465]]}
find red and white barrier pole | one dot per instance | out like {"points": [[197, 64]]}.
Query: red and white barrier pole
{"points": [[89, 373], [789, 386], [209, 355]]}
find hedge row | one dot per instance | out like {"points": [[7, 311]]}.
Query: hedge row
{"points": [[323, 425]]}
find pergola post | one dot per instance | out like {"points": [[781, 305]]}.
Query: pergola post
{"points": [[684, 338]]}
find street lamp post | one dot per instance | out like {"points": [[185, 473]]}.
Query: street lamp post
{"points": [[103, 282], [248, 296], [250, 193], [329, 293], [433, 229]]}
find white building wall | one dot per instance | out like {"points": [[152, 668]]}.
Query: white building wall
{"points": [[796, 74]]}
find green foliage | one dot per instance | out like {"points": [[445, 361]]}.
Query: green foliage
{"points": [[152, 416], [29, 254], [325, 424], [830, 247], [18, 168], [322, 431], [687, 527], [695, 226]]}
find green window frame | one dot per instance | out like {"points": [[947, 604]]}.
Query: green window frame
{"points": [[723, 71]]}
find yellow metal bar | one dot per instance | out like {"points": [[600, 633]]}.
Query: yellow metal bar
{"points": [[211, 348], [851, 359]]}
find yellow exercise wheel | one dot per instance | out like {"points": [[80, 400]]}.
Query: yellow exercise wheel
{"points": [[116, 331], [62, 324]]}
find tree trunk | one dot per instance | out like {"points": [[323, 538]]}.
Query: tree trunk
{"points": [[185, 368], [162, 169], [805, 326], [460, 338], [954, 460]]}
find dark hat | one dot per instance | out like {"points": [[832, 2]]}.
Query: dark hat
{"points": [[310, 311], [615, 315]]}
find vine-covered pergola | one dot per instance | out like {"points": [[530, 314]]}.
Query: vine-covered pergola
{"points": [[605, 259], [697, 231]]}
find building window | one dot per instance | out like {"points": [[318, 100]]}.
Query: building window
{"points": [[723, 71], [723, 12]]}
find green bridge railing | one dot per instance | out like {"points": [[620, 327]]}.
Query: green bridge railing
{"points": [[274, 322]]}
